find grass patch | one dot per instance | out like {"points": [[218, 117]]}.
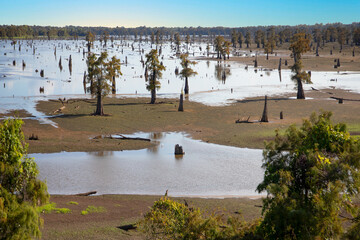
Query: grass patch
{"points": [[93, 209], [51, 207], [72, 203]]}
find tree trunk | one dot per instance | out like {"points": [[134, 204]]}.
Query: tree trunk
{"points": [[99, 106], [153, 96], [264, 117], [113, 85], [186, 86], [181, 104], [300, 93]]}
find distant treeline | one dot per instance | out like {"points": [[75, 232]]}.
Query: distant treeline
{"points": [[328, 32]]}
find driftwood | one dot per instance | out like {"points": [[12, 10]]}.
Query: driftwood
{"points": [[86, 194], [130, 138], [128, 227], [243, 121], [59, 109], [345, 99]]}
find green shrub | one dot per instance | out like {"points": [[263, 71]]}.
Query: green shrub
{"points": [[169, 219], [93, 209], [51, 207]]}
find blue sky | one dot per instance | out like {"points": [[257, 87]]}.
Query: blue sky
{"points": [[183, 13]]}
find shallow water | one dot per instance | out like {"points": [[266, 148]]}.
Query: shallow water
{"points": [[20, 87], [205, 169]]}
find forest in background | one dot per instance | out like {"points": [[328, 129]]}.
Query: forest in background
{"points": [[326, 32]]}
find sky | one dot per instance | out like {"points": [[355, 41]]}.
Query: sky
{"points": [[181, 13]]}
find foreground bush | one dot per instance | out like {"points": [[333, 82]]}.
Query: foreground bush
{"points": [[169, 219], [311, 176], [20, 190]]}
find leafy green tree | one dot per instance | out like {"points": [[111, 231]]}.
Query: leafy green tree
{"points": [[258, 36], [20, 190], [267, 49], [342, 34], [299, 45], [248, 39], [226, 49], [101, 73], [177, 41], [90, 38], [187, 41], [218, 42], [234, 38], [186, 72], [105, 37], [154, 70], [241, 39], [311, 175]]}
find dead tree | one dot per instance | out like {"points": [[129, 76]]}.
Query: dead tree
{"points": [[264, 117]]}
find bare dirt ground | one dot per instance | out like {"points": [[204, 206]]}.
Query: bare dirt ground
{"points": [[126, 209], [77, 128]]}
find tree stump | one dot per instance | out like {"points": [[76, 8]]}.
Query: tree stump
{"points": [[281, 115], [179, 150], [264, 117], [341, 101], [181, 105]]}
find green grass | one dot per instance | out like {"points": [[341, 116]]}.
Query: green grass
{"points": [[72, 203], [51, 207], [93, 209]]}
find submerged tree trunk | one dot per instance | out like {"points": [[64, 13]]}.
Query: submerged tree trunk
{"points": [[300, 93], [186, 86]]}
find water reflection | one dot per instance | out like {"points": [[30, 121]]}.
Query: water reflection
{"points": [[222, 72], [101, 153], [206, 169]]}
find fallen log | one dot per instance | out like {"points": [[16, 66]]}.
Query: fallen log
{"points": [[131, 138], [243, 121], [86, 194], [346, 99]]}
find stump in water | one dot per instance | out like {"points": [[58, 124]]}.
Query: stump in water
{"points": [[281, 115], [60, 64], [14, 63], [70, 65], [264, 117], [181, 107], [42, 73], [179, 150], [286, 63]]}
